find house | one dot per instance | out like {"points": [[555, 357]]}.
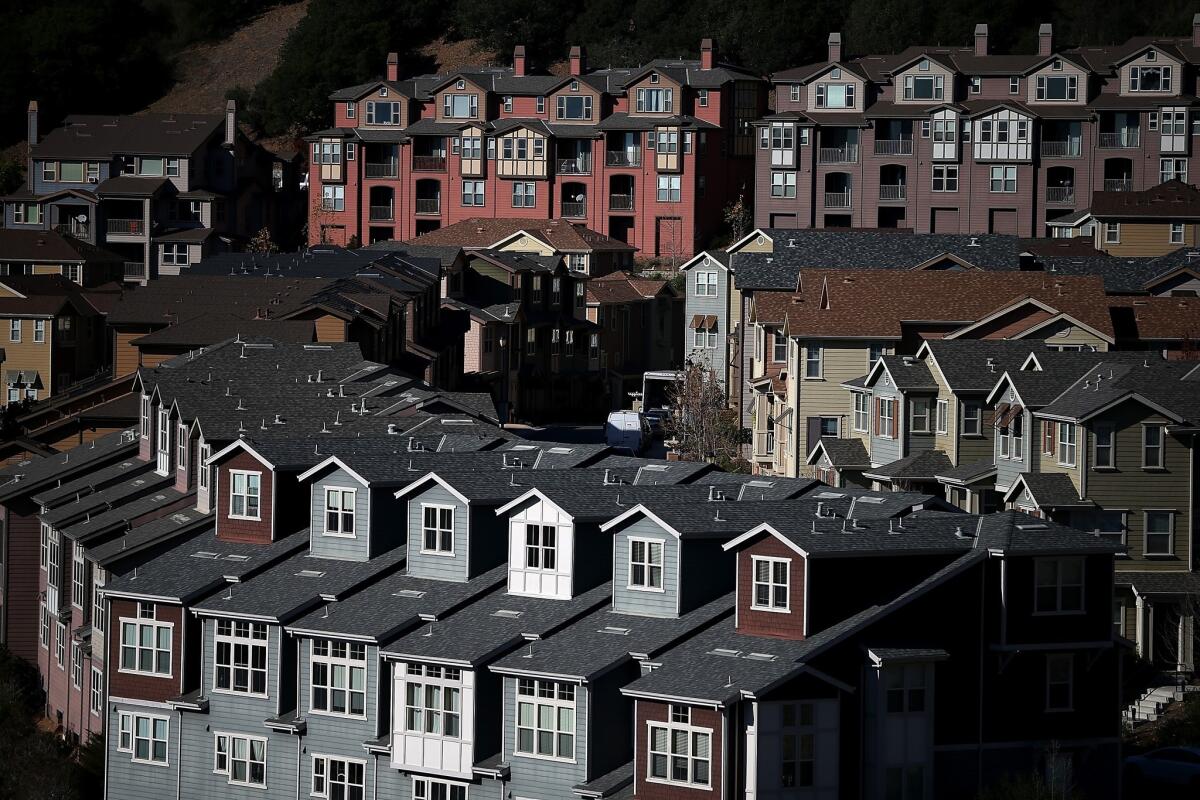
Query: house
{"points": [[48, 252], [1153, 222], [407, 156], [711, 307], [961, 139], [641, 322]]}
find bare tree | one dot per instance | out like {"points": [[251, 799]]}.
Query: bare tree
{"points": [[702, 427], [262, 242], [738, 217]]}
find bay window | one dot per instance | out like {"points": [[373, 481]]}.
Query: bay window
{"points": [[545, 719], [433, 700]]}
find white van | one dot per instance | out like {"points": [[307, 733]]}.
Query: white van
{"points": [[629, 430]]}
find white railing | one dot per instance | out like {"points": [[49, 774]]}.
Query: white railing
{"points": [[1118, 185], [1067, 149], [1060, 194], [893, 147], [837, 199], [892, 192], [847, 154], [1130, 137]]}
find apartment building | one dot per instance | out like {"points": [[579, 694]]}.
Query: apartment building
{"points": [[947, 139], [160, 190], [646, 155]]}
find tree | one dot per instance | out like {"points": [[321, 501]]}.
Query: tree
{"points": [[701, 425], [738, 218], [262, 242]]}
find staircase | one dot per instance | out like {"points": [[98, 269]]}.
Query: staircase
{"points": [[1151, 705]]}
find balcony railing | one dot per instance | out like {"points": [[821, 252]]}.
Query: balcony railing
{"points": [[846, 154], [1119, 140], [1067, 149], [892, 192], [429, 163], [893, 147], [76, 229], [129, 227], [574, 209], [381, 213], [764, 443], [135, 270], [382, 170], [1118, 185], [1060, 194], [620, 202], [837, 199], [429, 206], [624, 158], [580, 165]]}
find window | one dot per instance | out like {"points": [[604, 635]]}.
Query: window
{"points": [[39, 331], [76, 665], [1176, 234], [655, 101], [668, 188], [545, 719], [579, 107], [1058, 586], [146, 646], [338, 778], [645, 564], [779, 347], [98, 621], [861, 401], [50, 171], [794, 92], [943, 416], [339, 677], [541, 104], [976, 84], [472, 193], [905, 686], [1060, 677], [1110, 525], [27, 213], [1152, 120], [339, 512], [569, 347], [770, 584], [705, 337], [555, 291], [163, 463], [835, 95], [541, 547], [383, 113], [783, 184], [471, 147], [1150, 79], [680, 752], [333, 198], [1112, 233], [923, 87], [203, 467], [706, 284], [351, 110], [181, 447], [143, 736], [524, 195], [433, 700], [425, 789], [1066, 444], [242, 759], [1170, 169], [44, 638], [14, 330], [60, 645], [460, 106], [812, 360], [244, 493], [555, 341], [945, 178], [797, 761], [1103, 456], [96, 703], [1159, 533], [1174, 123], [78, 576], [1014, 85], [918, 415], [437, 530], [241, 657], [1064, 87], [508, 104], [885, 423], [781, 136], [530, 342], [1004, 179], [874, 353], [1152, 447]]}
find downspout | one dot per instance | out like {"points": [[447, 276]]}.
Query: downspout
{"points": [[178, 756], [299, 736], [375, 776], [298, 770], [979, 748]]}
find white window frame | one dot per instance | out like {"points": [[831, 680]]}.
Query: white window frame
{"points": [[39, 331], [887, 418], [706, 283], [128, 737], [343, 516], [181, 447], [1004, 179], [1110, 449], [230, 632], [245, 494], [862, 412], [440, 532], [772, 584], [809, 350], [324, 776], [145, 416], [76, 665], [1169, 533], [14, 330], [96, 696], [942, 411], [669, 758], [647, 564], [945, 178], [556, 697], [78, 576], [1066, 444], [433, 695], [1175, 233], [539, 546], [163, 445], [60, 645], [341, 661], [919, 423], [423, 789], [1112, 233], [227, 755], [1159, 450], [139, 649]]}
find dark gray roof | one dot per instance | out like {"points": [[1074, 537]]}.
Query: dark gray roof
{"points": [[969, 473], [1170, 385], [108, 552], [131, 186], [40, 472], [1121, 274], [556, 455], [924, 465], [974, 365], [632, 469], [101, 137], [845, 453], [604, 640], [1052, 490], [909, 373], [139, 482], [90, 482], [396, 604], [325, 261], [740, 486], [1016, 532], [614, 785], [886, 654], [1149, 583], [122, 514], [477, 633], [1059, 371], [622, 121], [445, 254]]}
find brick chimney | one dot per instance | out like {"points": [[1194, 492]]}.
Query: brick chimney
{"points": [[578, 65], [1196, 30], [835, 46], [519, 61], [230, 123], [1046, 39], [981, 34], [393, 67], [708, 53]]}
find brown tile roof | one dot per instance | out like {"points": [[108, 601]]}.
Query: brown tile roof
{"points": [[1156, 318], [480, 232], [1173, 199], [623, 287], [875, 303]]}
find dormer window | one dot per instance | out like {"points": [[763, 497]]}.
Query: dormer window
{"points": [[460, 106], [437, 529], [1057, 88], [923, 88], [574, 86], [646, 565], [654, 77], [835, 73], [924, 66], [460, 85], [245, 492], [655, 101], [1057, 65], [1151, 55], [339, 512], [771, 584]]}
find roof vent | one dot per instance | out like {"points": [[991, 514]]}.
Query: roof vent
{"points": [[615, 630], [414, 594], [310, 573], [974, 242], [507, 613]]}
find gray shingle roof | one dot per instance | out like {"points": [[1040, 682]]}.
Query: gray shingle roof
{"points": [[39, 472], [101, 137], [1170, 385], [111, 551], [1159, 582], [969, 473], [845, 453], [1052, 490], [909, 373], [919, 466], [740, 486], [139, 482], [91, 482], [964, 363], [122, 514]]}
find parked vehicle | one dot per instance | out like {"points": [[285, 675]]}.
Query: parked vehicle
{"points": [[657, 417], [1167, 766], [628, 429]]}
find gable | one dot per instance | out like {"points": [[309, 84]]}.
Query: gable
{"points": [[524, 242]]}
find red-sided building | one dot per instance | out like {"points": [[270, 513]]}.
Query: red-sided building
{"points": [[648, 155]]}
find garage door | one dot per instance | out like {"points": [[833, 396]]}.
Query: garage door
{"points": [[945, 220], [783, 221], [1003, 220]]}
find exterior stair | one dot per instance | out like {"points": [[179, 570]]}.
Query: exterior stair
{"points": [[1151, 705]]}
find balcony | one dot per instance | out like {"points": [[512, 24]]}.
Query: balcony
{"points": [[620, 202], [893, 147], [135, 270], [382, 213], [1121, 140], [893, 192], [837, 199], [631, 157], [846, 154], [1118, 185], [127, 227], [429, 206], [1067, 149], [388, 170], [429, 163], [79, 230], [764, 444], [574, 210], [1060, 194], [580, 165]]}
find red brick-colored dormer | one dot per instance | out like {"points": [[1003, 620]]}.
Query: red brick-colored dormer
{"points": [[770, 588]]}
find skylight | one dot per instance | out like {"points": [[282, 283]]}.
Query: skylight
{"points": [[507, 613], [204, 554], [310, 573], [1033, 526], [560, 451], [876, 500], [236, 557], [760, 657], [725, 651], [412, 593], [761, 484], [656, 468], [615, 630], [828, 495]]}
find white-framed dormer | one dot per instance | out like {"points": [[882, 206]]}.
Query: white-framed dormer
{"points": [[433, 718], [163, 441], [541, 547]]}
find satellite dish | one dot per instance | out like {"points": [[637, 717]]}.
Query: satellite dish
{"points": [[579, 198], [81, 218]]}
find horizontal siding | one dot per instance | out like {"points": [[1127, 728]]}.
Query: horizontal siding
{"points": [[539, 778], [350, 548], [627, 600], [429, 565]]}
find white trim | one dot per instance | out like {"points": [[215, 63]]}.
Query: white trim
{"points": [[228, 771], [763, 528], [133, 717], [437, 551], [138, 622], [771, 584], [330, 461], [327, 757], [690, 729], [246, 494], [639, 509], [240, 444], [430, 476], [530, 495], [1146, 512], [648, 565], [342, 491]]}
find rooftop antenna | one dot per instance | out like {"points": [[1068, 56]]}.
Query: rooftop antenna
{"points": [[512, 479], [337, 418]]}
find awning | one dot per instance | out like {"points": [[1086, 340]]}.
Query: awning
{"points": [[1001, 410], [704, 321], [1013, 411], [31, 379]]}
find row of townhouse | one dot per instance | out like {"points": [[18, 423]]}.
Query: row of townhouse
{"points": [[157, 191], [347, 617], [951, 139], [648, 155]]}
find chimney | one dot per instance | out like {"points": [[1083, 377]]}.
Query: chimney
{"points": [[230, 123], [393, 67], [31, 137], [981, 39], [1196, 30], [1046, 37], [835, 46], [577, 60], [708, 53], [519, 61]]}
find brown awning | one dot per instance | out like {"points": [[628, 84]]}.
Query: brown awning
{"points": [[697, 321], [1001, 410], [708, 321], [1009, 415]]}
